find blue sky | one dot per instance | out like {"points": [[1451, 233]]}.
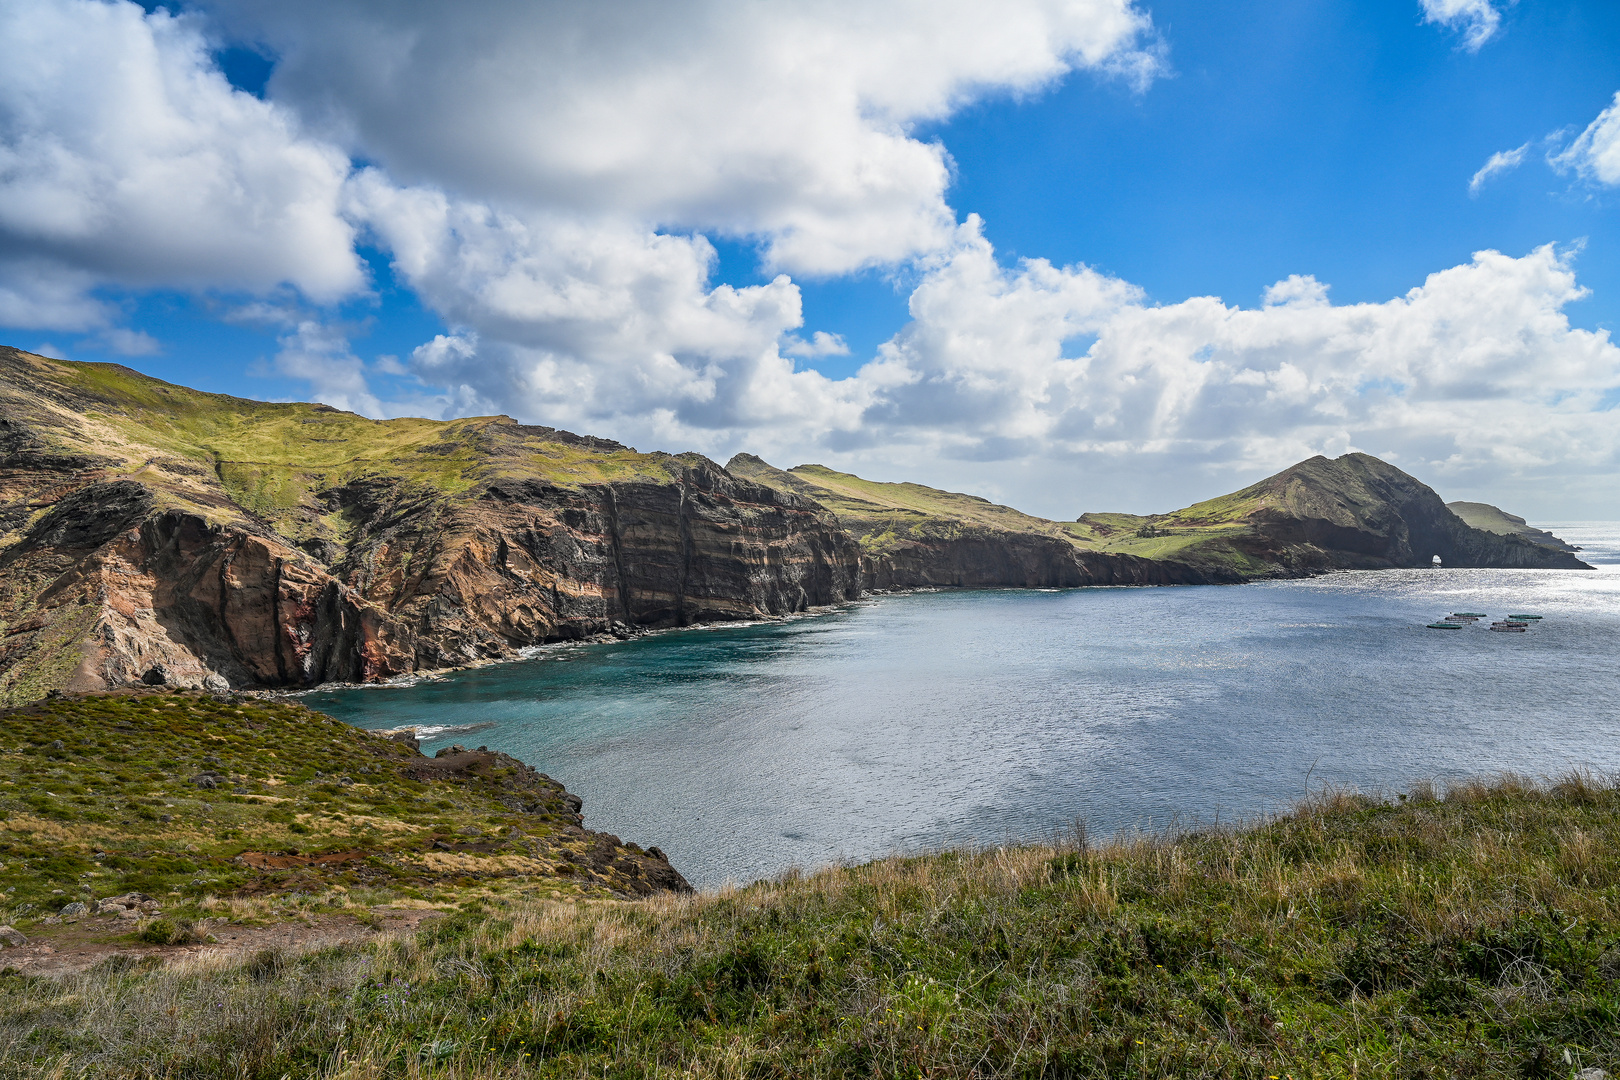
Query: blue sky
{"points": [[1334, 139], [541, 241]]}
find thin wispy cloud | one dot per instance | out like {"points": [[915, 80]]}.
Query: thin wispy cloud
{"points": [[1477, 20], [1594, 155], [1498, 163], [821, 343]]}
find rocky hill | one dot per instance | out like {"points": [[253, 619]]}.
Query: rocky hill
{"points": [[1345, 513], [154, 534], [1353, 512]]}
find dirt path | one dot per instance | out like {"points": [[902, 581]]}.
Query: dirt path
{"points": [[65, 950]]}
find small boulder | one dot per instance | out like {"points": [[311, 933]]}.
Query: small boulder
{"points": [[12, 937], [74, 910], [128, 906], [215, 683], [156, 675]]}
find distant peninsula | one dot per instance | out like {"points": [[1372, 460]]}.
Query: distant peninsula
{"points": [[156, 535], [1496, 520]]}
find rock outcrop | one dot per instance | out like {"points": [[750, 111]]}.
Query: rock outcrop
{"points": [[914, 537], [1359, 512], [1021, 560]]}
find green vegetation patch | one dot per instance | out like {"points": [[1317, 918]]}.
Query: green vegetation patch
{"points": [[278, 460], [884, 516], [184, 797], [41, 660], [1474, 934]]}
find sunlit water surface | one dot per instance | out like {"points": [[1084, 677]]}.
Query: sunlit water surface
{"points": [[912, 721]]}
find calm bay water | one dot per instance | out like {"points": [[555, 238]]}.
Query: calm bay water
{"points": [[913, 721]]}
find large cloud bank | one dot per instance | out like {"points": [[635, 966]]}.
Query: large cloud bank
{"points": [[545, 176]]}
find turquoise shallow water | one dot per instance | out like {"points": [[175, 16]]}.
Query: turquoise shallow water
{"points": [[913, 721]]}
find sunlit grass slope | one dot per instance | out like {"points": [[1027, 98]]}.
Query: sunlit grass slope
{"points": [[883, 514], [1472, 934], [1496, 520], [274, 459], [160, 793]]}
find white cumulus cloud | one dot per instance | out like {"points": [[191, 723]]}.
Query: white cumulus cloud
{"points": [[1477, 20], [791, 123], [1063, 389], [126, 158], [563, 162], [1500, 162]]}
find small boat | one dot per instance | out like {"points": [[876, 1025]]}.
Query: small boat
{"points": [[1502, 628], [1529, 618], [1444, 626]]}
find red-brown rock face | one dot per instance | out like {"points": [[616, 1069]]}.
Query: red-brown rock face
{"points": [[169, 597]]}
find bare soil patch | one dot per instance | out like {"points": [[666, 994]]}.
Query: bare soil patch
{"points": [[71, 948]]}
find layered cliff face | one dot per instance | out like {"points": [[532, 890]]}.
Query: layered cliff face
{"points": [[913, 536], [153, 533]]}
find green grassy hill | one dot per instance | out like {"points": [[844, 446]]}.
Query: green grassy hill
{"points": [[1496, 520], [229, 459], [882, 515], [1474, 933]]}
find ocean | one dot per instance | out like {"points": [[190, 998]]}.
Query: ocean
{"points": [[908, 722]]}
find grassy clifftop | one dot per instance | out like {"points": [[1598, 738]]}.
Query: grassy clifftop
{"points": [[190, 799], [881, 514], [221, 455], [1496, 520], [1474, 933]]}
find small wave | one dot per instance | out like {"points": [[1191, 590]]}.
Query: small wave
{"points": [[439, 731]]}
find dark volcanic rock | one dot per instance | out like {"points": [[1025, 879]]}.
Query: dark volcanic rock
{"points": [[1357, 511], [1021, 560]]}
